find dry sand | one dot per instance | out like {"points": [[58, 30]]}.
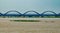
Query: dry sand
{"points": [[46, 25]]}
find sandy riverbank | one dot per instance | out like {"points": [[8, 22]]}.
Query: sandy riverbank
{"points": [[46, 25]]}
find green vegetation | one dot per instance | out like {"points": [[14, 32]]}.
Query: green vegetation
{"points": [[25, 20]]}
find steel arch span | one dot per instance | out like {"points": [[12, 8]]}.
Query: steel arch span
{"points": [[13, 11], [31, 11], [1, 14], [48, 11]]}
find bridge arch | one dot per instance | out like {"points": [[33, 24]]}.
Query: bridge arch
{"points": [[31, 11], [13, 11], [48, 11], [1, 14]]}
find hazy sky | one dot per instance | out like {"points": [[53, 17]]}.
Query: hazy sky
{"points": [[26, 5]]}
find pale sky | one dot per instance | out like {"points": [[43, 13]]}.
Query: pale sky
{"points": [[26, 5]]}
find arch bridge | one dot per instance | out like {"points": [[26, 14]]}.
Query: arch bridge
{"points": [[6, 14]]}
